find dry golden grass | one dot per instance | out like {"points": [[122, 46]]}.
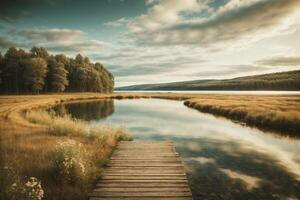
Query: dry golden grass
{"points": [[278, 113], [27, 149]]}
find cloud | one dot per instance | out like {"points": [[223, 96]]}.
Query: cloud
{"points": [[77, 47], [151, 2], [6, 43], [50, 35], [233, 21], [117, 23], [112, 56], [13, 10], [136, 70], [280, 61], [57, 40], [164, 12]]}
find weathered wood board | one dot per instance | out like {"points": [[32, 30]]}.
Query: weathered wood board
{"points": [[143, 170]]}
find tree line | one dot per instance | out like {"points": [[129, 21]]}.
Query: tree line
{"points": [[38, 71]]}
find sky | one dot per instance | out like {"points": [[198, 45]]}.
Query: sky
{"points": [[157, 41]]}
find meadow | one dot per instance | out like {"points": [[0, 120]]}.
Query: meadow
{"points": [[44, 156], [276, 113]]}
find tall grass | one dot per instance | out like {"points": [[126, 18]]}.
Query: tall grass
{"points": [[74, 159], [107, 134], [267, 112], [39, 117], [67, 126]]}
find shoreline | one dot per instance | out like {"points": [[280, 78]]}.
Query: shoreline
{"points": [[19, 137], [190, 100]]}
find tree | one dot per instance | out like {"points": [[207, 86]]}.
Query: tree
{"points": [[80, 79], [35, 70], [39, 52], [107, 79], [1, 67], [79, 59], [57, 76], [94, 81], [13, 69]]}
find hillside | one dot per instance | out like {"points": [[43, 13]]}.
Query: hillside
{"points": [[274, 81]]}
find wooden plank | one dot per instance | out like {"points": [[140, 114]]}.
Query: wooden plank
{"points": [[177, 159], [144, 181], [144, 165], [143, 170], [139, 185], [140, 194], [153, 172], [144, 175], [143, 155], [141, 198], [132, 176], [168, 189], [144, 178]]}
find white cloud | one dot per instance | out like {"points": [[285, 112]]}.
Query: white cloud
{"points": [[151, 2], [117, 23], [247, 19], [166, 12], [50, 35], [57, 40], [85, 46]]}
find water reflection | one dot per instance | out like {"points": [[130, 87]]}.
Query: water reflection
{"points": [[226, 170], [224, 160], [87, 110]]}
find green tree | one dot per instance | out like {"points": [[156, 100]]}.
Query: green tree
{"points": [[39, 52], [22, 71], [35, 70], [94, 83], [57, 76], [80, 78], [1, 67], [13, 69]]}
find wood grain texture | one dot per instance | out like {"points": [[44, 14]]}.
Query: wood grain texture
{"points": [[141, 171]]}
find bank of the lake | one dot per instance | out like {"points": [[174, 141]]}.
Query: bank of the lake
{"points": [[28, 147], [43, 155]]}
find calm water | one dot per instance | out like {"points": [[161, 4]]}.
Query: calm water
{"points": [[224, 160]]}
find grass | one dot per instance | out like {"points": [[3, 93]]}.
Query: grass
{"points": [[58, 125], [277, 113], [67, 126], [39, 150]]}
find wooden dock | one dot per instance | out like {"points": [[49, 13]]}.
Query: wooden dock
{"points": [[143, 170]]}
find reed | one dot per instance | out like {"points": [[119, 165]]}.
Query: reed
{"points": [[274, 113]]}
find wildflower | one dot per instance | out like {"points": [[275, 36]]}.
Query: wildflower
{"points": [[70, 160], [34, 190]]}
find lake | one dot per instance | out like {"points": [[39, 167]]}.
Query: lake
{"points": [[224, 160]]}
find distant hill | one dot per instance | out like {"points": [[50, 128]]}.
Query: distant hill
{"points": [[274, 81]]}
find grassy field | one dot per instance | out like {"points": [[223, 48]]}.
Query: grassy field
{"points": [[35, 146], [50, 156], [277, 113]]}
